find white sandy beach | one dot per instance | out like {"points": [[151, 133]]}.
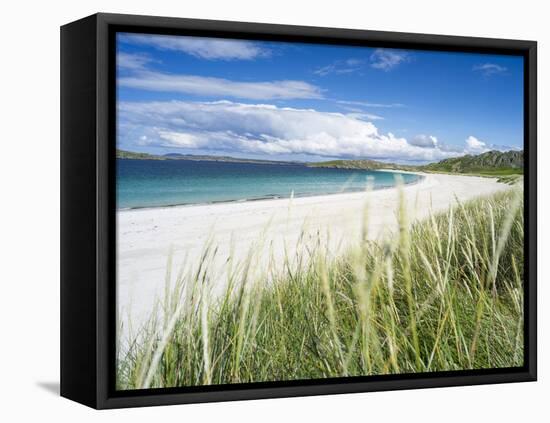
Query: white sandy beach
{"points": [[145, 236]]}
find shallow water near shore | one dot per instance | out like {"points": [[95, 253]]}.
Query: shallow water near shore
{"points": [[162, 183]]}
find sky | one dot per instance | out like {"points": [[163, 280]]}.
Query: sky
{"points": [[311, 102]]}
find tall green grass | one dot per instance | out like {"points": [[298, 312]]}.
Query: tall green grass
{"points": [[442, 294]]}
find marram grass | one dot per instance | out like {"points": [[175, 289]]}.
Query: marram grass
{"points": [[443, 294]]}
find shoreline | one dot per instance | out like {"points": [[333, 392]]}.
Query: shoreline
{"points": [[146, 237], [421, 177]]}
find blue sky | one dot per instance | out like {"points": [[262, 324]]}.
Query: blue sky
{"points": [[283, 101]]}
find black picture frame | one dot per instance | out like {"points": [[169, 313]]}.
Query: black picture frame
{"points": [[88, 212]]}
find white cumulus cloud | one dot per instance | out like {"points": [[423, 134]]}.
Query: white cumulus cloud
{"points": [[424, 141], [475, 146], [265, 129]]}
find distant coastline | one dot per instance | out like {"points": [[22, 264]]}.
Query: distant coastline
{"points": [[131, 155], [491, 163], [150, 181]]}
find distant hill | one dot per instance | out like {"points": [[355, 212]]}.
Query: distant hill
{"points": [[489, 163], [363, 164], [123, 154], [228, 159], [509, 161]]}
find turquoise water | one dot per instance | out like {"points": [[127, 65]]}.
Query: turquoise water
{"points": [[155, 183]]}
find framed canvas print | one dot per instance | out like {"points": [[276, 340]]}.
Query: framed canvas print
{"points": [[254, 211]]}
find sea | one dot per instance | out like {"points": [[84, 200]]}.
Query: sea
{"points": [[163, 183]]}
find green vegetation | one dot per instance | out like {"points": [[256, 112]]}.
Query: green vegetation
{"points": [[511, 179], [443, 294], [503, 171], [361, 164], [491, 164]]}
